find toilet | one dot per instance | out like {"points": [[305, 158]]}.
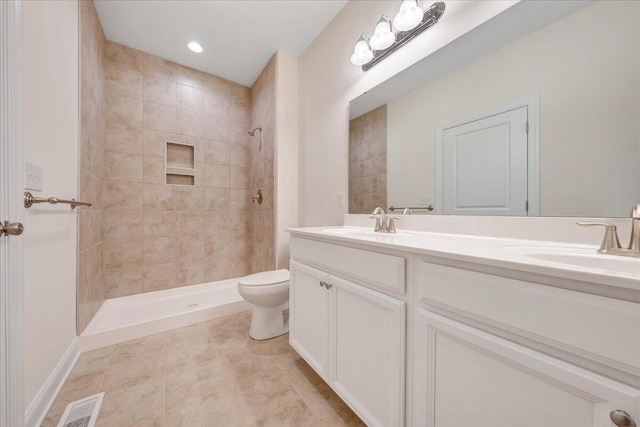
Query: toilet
{"points": [[268, 292]]}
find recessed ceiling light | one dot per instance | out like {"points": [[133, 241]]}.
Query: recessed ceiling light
{"points": [[194, 47]]}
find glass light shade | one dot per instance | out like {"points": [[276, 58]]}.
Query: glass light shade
{"points": [[362, 53], [409, 16], [382, 37]]}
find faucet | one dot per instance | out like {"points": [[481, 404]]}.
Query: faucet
{"points": [[381, 220], [384, 223], [611, 244]]}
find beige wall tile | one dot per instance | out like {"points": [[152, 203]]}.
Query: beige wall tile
{"points": [[159, 276], [238, 134], [216, 176], [159, 250], [192, 124], [240, 156], [123, 196], [159, 90], [123, 167], [190, 98], [217, 222], [123, 281], [190, 198], [153, 170], [217, 103], [219, 129], [190, 77], [217, 199], [88, 266], [159, 224], [217, 246], [159, 117], [123, 110], [190, 223], [217, 269], [123, 139], [239, 177], [122, 253], [190, 273], [240, 200], [189, 248], [159, 197], [217, 152], [155, 142], [122, 225]]}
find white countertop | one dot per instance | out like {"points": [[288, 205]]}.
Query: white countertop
{"points": [[512, 254]]}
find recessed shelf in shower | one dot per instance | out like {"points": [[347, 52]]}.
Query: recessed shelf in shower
{"points": [[180, 164]]}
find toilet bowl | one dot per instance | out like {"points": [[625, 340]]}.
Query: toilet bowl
{"points": [[268, 292]]}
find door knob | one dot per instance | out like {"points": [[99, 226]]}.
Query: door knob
{"points": [[621, 418], [11, 229]]}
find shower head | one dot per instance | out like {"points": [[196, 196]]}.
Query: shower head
{"points": [[253, 132]]}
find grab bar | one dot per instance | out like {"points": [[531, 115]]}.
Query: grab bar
{"points": [[427, 208], [30, 200]]}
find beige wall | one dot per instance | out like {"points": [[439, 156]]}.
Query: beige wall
{"points": [[92, 154], [51, 122], [368, 161], [328, 81], [262, 168], [286, 153], [585, 69], [157, 235]]}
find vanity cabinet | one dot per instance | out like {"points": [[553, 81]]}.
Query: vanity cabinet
{"points": [[353, 337], [494, 351]]}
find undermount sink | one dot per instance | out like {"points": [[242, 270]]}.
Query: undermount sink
{"points": [[579, 257], [357, 232]]}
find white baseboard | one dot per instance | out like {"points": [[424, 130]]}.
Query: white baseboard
{"points": [[38, 408]]}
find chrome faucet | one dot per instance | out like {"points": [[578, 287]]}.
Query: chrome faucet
{"points": [[384, 223], [611, 244], [381, 220]]}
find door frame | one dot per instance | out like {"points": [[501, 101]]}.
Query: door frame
{"points": [[12, 408], [533, 150]]}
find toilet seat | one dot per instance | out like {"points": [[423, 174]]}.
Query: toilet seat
{"points": [[265, 278]]}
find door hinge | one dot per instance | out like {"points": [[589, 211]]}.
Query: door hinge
{"points": [[526, 127], [526, 206]]}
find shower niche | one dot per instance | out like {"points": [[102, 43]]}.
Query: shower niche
{"points": [[180, 164]]}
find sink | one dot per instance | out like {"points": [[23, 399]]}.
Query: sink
{"points": [[359, 232], [578, 257]]}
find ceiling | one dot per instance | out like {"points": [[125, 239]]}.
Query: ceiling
{"points": [[239, 37]]}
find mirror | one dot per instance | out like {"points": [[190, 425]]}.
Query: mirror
{"points": [[542, 120]]}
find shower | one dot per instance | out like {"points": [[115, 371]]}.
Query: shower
{"points": [[253, 133]]}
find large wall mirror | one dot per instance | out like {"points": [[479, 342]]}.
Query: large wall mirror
{"points": [[537, 112]]}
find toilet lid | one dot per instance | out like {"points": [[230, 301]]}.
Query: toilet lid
{"points": [[265, 278]]}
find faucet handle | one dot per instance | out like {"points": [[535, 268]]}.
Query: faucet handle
{"points": [[610, 240], [378, 226], [635, 212]]}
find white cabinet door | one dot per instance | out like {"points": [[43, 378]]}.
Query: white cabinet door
{"points": [[467, 377], [484, 166], [367, 352], [309, 316]]}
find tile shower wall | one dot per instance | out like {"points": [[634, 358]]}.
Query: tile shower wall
{"points": [[160, 236], [368, 161], [262, 167], [90, 293]]}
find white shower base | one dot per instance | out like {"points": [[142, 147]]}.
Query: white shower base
{"points": [[136, 316]]}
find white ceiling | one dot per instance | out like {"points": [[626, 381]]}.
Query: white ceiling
{"points": [[239, 37]]}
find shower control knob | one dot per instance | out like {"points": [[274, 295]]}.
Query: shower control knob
{"points": [[11, 228], [621, 418]]}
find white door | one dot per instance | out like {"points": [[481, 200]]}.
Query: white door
{"points": [[12, 211], [466, 377], [367, 352], [309, 316], [484, 166]]}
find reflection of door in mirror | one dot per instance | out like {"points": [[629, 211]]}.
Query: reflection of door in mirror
{"points": [[482, 166]]}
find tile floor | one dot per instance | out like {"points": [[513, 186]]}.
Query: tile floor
{"points": [[209, 374]]}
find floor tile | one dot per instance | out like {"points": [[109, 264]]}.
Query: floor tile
{"points": [[262, 393]]}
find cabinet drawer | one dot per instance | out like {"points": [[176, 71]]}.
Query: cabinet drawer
{"points": [[382, 270], [595, 328]]}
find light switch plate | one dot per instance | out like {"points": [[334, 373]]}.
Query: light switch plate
{"points": [[32, 176], [341, 200], [426, 200]]}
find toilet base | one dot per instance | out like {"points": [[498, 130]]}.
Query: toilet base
{"points": [[268, 322]]}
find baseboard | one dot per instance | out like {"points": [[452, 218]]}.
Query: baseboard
{"points": [[38, 408]]}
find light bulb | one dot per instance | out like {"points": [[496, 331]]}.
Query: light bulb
{"points": [[194, 46], [409, 16], [362, 53], [382, 37]]}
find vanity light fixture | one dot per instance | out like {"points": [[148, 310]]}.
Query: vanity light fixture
{"points": [[409, 22], [194, 46]]}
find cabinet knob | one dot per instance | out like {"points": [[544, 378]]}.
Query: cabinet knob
{"points": [[322, 283], [329, 286], [621, 418]]}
